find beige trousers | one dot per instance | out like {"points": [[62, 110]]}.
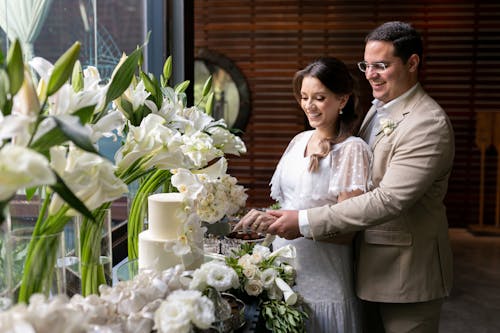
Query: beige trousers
{"points": [[422, 317]]}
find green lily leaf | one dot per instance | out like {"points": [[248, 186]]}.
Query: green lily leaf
{"points": [[64, 192], [77, 77], [63, 132], [76, 134], [85, 114], [127, 108], [30, 192], [167, 72], [181, 87], [4, 88], [63, 69], [209, 104], [15, 67], [2, 58], [152, 86], [207, 86], [123, 76]]}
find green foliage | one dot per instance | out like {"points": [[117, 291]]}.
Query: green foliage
{"points": [[209, 105], [15, 67], [167, 72], [77, 77], [63, 68], [123, 76], [283, 318], [72, 200], [181, 87], [63, 132]]}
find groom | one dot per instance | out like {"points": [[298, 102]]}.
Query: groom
{"points": [[404, 265]]}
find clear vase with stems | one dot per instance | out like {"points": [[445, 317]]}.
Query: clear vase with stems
{"points": [[35, 263], [90, 256], [5, 297]]}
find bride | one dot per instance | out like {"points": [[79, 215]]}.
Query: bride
{"points": [[322, 166]]}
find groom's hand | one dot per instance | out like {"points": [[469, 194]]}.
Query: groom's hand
{"points": [[287, 224]]}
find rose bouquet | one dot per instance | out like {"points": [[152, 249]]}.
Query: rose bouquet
{"points": [[268, 276]]}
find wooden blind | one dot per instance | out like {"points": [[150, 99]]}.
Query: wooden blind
{"points": [[270, 40]]}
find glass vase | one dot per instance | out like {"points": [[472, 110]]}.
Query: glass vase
{"points": [[90, 260], [5, 297], [34, 264]]}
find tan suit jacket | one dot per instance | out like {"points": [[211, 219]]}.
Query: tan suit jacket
{"points": [[404, 251]]}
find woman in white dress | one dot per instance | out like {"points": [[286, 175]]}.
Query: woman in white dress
{"points": [[323, 166]]}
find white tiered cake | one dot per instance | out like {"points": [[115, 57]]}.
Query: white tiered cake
{"points": [[164, 223]]}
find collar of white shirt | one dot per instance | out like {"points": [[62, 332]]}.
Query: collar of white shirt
{"points": [[386, 110]]}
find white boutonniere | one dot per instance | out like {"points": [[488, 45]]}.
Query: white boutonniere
{"points": [[387, 126]]}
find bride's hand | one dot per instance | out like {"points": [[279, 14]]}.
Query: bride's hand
{"points": [[255, 220]]}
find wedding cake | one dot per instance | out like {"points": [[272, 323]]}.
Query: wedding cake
{"points": [[165, 223]]}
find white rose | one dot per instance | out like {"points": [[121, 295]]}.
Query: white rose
{"points": [[250, 271], [254, 287]]}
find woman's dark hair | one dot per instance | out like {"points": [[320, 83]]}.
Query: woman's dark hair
{"points": [[403, 36], [335, 76]]}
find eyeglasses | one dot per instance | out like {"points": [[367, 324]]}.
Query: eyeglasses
{"points": [[377, 67]]}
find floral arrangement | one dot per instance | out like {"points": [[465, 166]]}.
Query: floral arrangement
{"points": [[50, 124], [47, 124], [164, 134], [268, 276], [152, 300], [174, 300]]}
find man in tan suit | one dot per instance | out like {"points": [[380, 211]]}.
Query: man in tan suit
{"points": [[404, 263]]}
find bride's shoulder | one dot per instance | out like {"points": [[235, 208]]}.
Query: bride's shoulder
{"points": [[301, 136], [352, 141]]}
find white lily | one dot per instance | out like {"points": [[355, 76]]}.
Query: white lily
{"points": [[89, 176], [150, 136], [21, 168]]}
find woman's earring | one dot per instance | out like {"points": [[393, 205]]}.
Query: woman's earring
{"points": [[340, 111]]}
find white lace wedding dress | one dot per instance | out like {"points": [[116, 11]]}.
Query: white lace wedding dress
{"points": [[324, 269]]}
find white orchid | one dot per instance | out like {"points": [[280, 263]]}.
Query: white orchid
{"points": [[22, 168], [210, 191]]}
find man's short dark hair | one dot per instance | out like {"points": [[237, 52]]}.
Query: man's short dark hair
{"points": [[403, 36]]}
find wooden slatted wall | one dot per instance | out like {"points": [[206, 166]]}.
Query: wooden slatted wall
{"points": [[269, 40]]}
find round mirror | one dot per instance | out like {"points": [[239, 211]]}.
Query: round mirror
{"points": [[231, 94]]}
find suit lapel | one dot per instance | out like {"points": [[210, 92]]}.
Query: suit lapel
{"points": [[368, 119], [402, 110]]}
